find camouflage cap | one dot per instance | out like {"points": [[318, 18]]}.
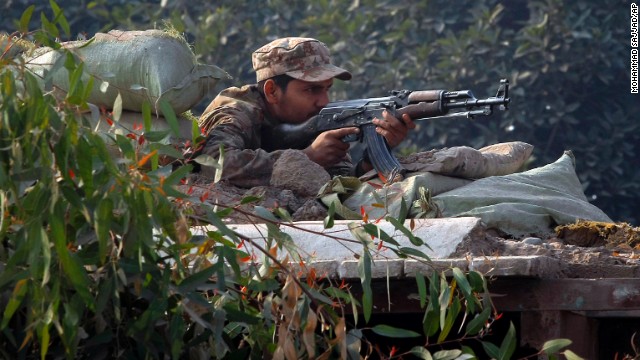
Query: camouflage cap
{"points": [[301, 58]]}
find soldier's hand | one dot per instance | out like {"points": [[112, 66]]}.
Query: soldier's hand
{"points": [[393, 129], [328, 148]]}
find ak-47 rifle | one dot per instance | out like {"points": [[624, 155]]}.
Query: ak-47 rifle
{"points": [[420, 105]]}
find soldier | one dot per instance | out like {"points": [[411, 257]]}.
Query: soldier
{"points": [[293, 76]]}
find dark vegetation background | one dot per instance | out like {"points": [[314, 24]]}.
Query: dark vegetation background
{"points": [[568, 63]]}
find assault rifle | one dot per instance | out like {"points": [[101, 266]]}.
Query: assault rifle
{"points": [[420, 105]]}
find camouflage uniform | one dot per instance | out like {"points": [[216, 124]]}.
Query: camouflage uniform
{"points": [[236, 118]]}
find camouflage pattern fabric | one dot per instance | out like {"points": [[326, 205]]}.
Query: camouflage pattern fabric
{"points": [[301, 58], [236, 119]]}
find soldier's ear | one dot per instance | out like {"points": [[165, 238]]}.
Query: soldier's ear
{"points": [[271, 91]]}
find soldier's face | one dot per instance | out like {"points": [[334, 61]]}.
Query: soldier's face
{"points": [[302, 100]]}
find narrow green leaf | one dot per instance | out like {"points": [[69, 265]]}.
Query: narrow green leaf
{"points": [[102, 220], [84, 159], [422, 289], [125, 146], [364, 272], [414, 252], [403, 229], [461, 279], [476, 280], [221, 226], [48, 27], [265, 285], [354, 308], [421, 353], [207, 160], [72, 196], [59, 17], [265, 214], [377, 232], [508, 345], [250, 199], [452, 315], [218, 175], [448, 355], [17, 296], [393, 332], [170, 117], [553, 346], [570, 355], [156, 136], [200, 278], [491, 350], [404, 210], [169, 150], [468, 353], [431, 321], [117, 107], [46, 258], [477, 323], [231, 255], [44, 337], [146, 116], [25, 19], [233, 314], [176, 176], [195, 131], [329, 219], [71, 266], [466, 289]]}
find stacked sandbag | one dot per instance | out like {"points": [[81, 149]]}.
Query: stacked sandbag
{"points": [[128, 69], [150, 65]]}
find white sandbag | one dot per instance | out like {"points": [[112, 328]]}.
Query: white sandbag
{"points": [[140, 65]]}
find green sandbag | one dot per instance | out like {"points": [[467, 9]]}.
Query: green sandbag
{"points": [[140, 65], [528, 203]]}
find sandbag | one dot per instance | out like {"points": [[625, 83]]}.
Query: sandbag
{"points": [[469, 163], [521, 204], [140, 65]]}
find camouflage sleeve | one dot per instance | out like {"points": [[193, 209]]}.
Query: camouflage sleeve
{"points": [[245, 164]]}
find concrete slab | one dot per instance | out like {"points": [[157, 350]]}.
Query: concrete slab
{"points": [[335, 251]]}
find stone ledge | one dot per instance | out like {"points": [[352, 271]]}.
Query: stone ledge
{"points": [[444, 237], [501, 266], [334, 252]]}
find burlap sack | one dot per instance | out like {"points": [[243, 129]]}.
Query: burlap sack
{"points": [[140, 65], [469, 163]]}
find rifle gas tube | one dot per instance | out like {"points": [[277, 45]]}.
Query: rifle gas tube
{"points": [[420, 105]]}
